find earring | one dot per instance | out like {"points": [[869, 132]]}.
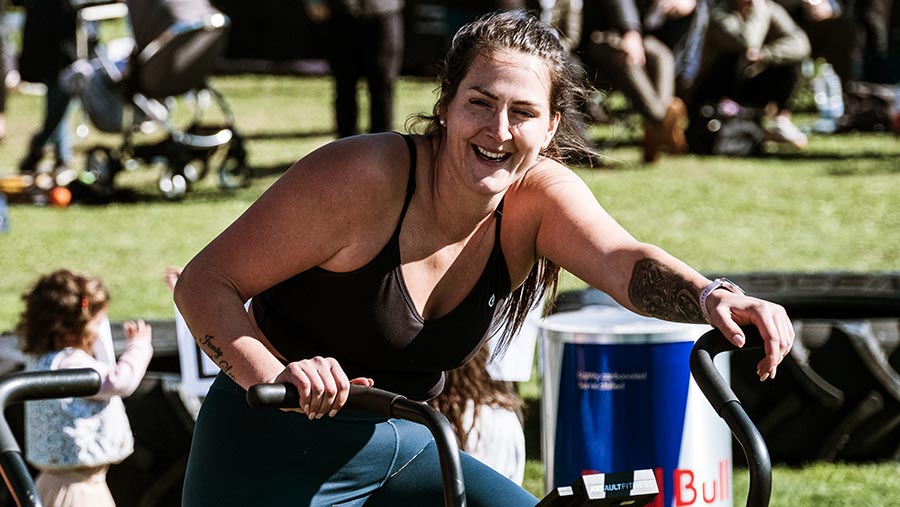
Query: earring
{"points": [[443, 122]]}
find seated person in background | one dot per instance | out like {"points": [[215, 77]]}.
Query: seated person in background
{"points": [[618, 46], [831, 32], [486, 415], [752, 55]]}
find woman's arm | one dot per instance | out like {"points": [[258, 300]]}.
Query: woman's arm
{"points": [[578, 234], [322, 212]]}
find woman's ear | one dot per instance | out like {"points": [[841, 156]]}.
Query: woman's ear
{"points": [[442, 105], [554, 124]]}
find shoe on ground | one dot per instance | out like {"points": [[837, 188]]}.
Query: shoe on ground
{"points": [[782, 130], [674, 123], [653, 140]]}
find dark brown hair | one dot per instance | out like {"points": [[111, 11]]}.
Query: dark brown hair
{"points": [[472, 382], [520, 31], [57, 310]]}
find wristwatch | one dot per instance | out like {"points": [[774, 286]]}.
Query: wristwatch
{"points": [[718, 283]]}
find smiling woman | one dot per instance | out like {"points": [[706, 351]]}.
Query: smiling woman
{"points": [[386, 259]]}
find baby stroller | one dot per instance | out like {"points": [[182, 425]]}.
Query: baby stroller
{"points": [[129, 86]]}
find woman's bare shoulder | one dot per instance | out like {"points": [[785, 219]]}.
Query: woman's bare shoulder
{"points": [[547, 182], [359, 160], [354, 172], [326, 210]]}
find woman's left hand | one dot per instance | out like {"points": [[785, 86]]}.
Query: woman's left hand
{"points": [[729, 310]]}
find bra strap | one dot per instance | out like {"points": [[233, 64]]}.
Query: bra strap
{"points": [[411, 184]]}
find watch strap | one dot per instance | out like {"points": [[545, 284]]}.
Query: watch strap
{"points": [[718, 283]]}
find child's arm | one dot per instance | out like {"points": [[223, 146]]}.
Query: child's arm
{"points": [[122, 378]]}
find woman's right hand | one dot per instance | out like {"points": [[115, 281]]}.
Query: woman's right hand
{"points": [[322, 384]]}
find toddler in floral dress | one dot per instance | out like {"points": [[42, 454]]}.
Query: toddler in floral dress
{"points": [[72, 441]]}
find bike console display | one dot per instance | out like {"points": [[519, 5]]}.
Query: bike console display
{"points": [[632, 489]]}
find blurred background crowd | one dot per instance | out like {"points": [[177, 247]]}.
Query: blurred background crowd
{"points": [[705, 76]]}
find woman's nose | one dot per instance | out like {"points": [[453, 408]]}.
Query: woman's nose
{"points": [[500, 126]]}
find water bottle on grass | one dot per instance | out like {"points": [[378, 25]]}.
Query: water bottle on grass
{"points": [[829, 98]]}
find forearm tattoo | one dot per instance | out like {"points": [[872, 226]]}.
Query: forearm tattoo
{"points": [[660, 292], [215, 353]]}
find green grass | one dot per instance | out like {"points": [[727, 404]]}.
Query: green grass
{"points": [[829, 485], [833, 207]]}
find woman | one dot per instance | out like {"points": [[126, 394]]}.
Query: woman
{"points": [[382, 260]]}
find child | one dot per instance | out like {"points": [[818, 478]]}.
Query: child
{"points": [[486, 415], [73, 441]]}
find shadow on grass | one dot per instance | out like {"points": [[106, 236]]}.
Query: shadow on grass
{"points": [[867, 163], [262, 171], [274, 135], [146, 193]]}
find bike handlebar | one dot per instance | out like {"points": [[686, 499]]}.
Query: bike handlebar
{"points": [[386, 404], [727, 405], [35, 385]]}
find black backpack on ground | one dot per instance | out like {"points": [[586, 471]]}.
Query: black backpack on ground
{"points": [[725, 128]]}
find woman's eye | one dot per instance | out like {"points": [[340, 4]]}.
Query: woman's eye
{"points": [[478, 102], [524, 113]]}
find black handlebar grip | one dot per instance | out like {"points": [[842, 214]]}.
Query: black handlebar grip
{"points": [[273, 396], [364, 399], [714, 386], [41, 385]]}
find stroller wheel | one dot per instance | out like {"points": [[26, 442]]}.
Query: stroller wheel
{"points": [[172, 184], [100, 168], [233, 171]]}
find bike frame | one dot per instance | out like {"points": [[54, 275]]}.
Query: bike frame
{"points": [[727, 405], [36, 385]]}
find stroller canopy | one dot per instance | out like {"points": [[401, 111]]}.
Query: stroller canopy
{"points": [[177, 44]]}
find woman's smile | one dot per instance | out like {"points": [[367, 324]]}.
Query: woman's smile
{"points": [[490, 156]]}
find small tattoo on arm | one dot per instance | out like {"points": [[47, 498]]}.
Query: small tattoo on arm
{"points": [[225, 366], [207, 341], [215, 353], [660, 292]]}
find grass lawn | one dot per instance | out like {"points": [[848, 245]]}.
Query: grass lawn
{"points": [[832, 207]]}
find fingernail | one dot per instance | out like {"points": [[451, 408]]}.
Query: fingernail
{"points": [[332, 413], [739, 340], [774, 371], [764, 376]]}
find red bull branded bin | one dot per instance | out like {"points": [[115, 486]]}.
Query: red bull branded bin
{"points": [[618, 396]]}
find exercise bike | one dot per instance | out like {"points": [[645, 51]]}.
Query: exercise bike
{"points": [[613, 489], [628, 488]]}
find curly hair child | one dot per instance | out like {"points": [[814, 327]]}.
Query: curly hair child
{"points": [[73, 441]]}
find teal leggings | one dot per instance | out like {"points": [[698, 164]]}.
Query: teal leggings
{"points": [[241, 456]]}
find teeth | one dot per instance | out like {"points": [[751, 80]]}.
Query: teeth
{"points": [[490, 154]]}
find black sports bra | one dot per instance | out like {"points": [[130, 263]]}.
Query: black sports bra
{"points": [[367, 321]]}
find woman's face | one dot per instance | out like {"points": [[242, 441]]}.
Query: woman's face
{"points": [[500, 119]]}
